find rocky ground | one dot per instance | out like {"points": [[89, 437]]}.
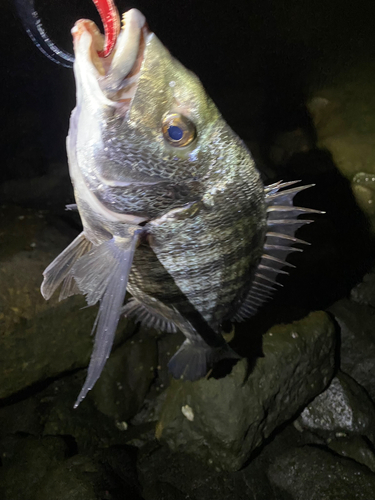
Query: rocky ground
{"points": [[293, 420]]}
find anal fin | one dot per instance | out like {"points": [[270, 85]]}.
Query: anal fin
{"points": [[194, 358]]}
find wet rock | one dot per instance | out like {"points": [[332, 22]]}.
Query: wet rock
{"points": [[91, 478], [355, 447], [49, 411], [363, 186], [151, 408], [344, 408], [168, 475], [222, 421], [167, 344], [26, 460], [126, 378], [153, 401], [162, 489], [40, 468], [255, 470], [364, 293], [39, 339], [52, 414], [72, 480], [61, 418], [21, 417], [357, 353], [343, 115], [316, 474]]}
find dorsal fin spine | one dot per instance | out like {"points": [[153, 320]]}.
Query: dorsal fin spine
{"points": [[282, 217]]}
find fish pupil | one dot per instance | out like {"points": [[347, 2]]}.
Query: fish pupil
{"points": [[175, 133]]}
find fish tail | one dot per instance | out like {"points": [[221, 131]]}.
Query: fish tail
{"points": [[193, 359]]}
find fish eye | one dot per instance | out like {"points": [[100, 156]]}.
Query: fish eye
{"points": [[178, 130]]}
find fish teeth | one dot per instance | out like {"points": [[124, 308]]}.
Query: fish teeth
{"points": [[127, 47]]}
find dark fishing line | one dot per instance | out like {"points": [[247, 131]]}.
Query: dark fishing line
{"points": [[34, 28]]}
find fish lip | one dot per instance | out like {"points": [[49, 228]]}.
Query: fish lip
{"points": [[121, 69]]}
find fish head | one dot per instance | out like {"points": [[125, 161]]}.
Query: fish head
{"points": [[143, 119]]}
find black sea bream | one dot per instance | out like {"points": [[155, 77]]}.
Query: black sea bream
{"points": [[172, 205]]}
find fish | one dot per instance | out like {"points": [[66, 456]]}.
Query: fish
{"points": [[172, 205]]}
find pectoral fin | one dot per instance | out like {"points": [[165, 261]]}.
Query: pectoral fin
{"points": [[60, 269], [102, 274]]}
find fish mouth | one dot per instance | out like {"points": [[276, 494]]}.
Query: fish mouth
{"points": [[117, 74]]}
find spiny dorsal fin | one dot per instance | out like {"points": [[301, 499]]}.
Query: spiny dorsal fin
{"points": [[287, 226], [282, 219], [273, 259], [274, 188], [284, 197], [288, 211]]}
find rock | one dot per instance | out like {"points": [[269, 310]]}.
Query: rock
{"points": [[315, 474], [40, 339], [355, 447], [91, 478], [126, 378], [26, 460], [357, 353], [343, 115], [222, 421], [61, 419], [176, 476], [50, 412], [21, 418], [364, 293], [39, 469], [344, 408], [72, 480], [363, 186], [256, 469], [167, 344]]}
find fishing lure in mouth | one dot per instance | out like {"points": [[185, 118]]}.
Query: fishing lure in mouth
{"points": [[34, 28], [172, 205]]}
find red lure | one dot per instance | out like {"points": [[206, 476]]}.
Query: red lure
{"points": [[111, 23]]}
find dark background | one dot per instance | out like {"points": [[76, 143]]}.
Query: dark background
{"points": [[259, 61]]}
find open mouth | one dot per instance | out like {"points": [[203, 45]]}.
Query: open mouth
{"points": [[118, 73]]}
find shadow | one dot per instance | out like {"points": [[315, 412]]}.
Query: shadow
{"points": [[342, 250]]}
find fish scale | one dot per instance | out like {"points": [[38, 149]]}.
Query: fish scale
{"points": [[182, 221], [231, 259], [149, 277]]}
